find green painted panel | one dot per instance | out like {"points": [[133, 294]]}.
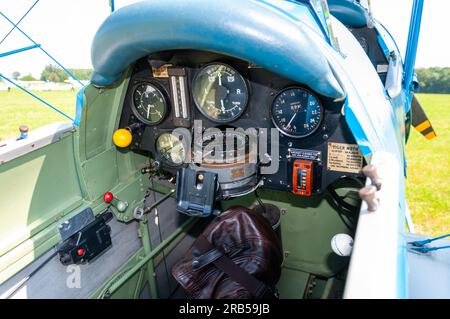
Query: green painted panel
{"points": [[98, 118], [101, 173], [41, 188], [133, 193], [292, 284], [35, 189], [101, 113]]}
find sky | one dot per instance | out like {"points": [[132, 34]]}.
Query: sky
{"points": [[65, 28]]}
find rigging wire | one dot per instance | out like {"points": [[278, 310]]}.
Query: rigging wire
{"points": [[42, 49], [18, 22]]}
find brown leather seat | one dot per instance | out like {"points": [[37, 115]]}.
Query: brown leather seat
{"points": [[242, 236]]}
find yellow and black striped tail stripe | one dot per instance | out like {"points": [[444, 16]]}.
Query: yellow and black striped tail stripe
{"points": [[420, 120], [426, 129]]}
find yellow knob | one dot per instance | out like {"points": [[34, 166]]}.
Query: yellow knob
{"points": [[122, 138]]}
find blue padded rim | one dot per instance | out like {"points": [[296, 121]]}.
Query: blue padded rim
{"points": [[349, 12], [251, 30]]}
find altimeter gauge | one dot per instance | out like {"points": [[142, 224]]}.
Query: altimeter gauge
{"points": [[220, 93], [149, 104]]}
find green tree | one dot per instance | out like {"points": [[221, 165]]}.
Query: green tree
{"points": [[16, 75], [434, 80], [28, 77], [82, 74], [53, 73]]}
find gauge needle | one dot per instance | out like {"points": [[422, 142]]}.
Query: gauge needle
{"points": [[148, 111], [221, 101], [292, 119]]}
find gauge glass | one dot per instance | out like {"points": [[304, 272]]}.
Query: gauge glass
{"points": [[297, 112], [149, 104], [171, 149], [220, 93]]}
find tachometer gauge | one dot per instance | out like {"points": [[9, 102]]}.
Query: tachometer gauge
{"points": [[149, 104], [171, 149], [297, 112], [220, 93]]}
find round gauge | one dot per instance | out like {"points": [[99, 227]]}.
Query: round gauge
{"points": [[296, 112], [171, 149], [149, 104], [220, 93]]}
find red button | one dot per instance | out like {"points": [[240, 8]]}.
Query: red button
{"points": [[80, 252], [108, 197]]}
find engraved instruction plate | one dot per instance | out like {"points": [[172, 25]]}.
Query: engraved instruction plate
{"points": [[308, 155], [344, 158]]}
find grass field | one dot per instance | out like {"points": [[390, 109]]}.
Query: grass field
{"points": [[18, 108], [428, 186]]}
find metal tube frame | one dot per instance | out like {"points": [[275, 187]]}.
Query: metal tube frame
{"points": [[149, 257], [411, 48]]}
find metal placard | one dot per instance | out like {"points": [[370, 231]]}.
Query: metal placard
{"points": [[308, 155]]}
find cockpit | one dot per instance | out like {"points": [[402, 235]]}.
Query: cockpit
{"points": [[234, 129], [222, 150]]}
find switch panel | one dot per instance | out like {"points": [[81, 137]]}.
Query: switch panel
{"points": [[302, 177]]}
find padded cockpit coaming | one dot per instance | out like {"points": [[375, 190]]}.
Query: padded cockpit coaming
{"points": [[349, 12], [232, 27]]}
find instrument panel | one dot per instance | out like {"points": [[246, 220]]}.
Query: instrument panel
{"points": [[185, 89]]}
